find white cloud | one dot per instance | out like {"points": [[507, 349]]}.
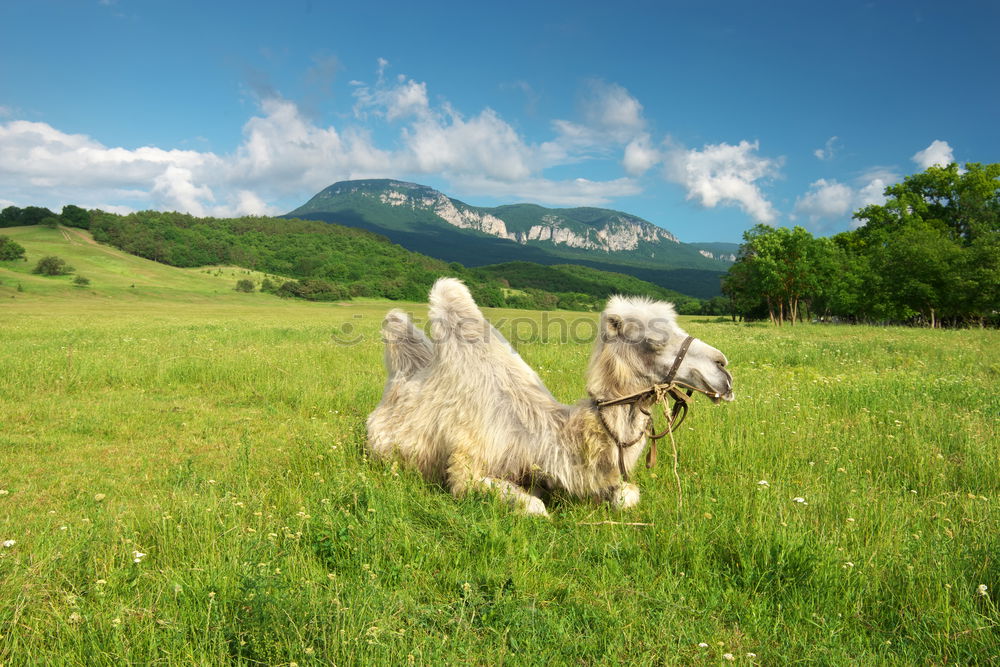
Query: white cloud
{"points": [[483, 145], [939, 153], [830, 201], [640, 156], [407, 98], [873, 192], [725, 174], [44, 156], [284, 153], [828, 150], [175, 189], [611, 110], [611, 117], [825, 199]]}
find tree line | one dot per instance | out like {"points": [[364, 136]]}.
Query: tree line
{"points": [[930, 255]]}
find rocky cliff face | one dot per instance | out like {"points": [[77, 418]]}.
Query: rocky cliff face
{"points": [[724, 256], [616, 232]]}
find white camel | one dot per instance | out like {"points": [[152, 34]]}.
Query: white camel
{"points": [[467, 411]]}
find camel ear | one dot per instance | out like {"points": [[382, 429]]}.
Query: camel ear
{"points": [[613, 326]]}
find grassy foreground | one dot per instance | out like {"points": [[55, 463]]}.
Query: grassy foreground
{"points": [[184, 481]]}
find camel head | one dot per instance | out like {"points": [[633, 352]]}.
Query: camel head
{"points": [[637, 344]]}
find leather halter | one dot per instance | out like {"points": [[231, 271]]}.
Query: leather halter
{"points": [[659, 394]]}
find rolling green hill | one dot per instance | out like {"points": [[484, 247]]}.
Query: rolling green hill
{"points": [[112, 272]]}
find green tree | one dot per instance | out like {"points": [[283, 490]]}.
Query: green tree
{"points": [[10, 249], [74, 216], [777, 270], [244, 285], [10, 217], [52, 266], [935, 243]]}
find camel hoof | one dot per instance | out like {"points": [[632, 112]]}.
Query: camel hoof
{"points": [[534, 507], [626, 497]]}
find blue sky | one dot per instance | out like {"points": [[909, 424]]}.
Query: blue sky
{"points": [[704, 118]]}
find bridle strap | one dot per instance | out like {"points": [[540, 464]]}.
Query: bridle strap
{"points": [[678, 359], [659, 393]]}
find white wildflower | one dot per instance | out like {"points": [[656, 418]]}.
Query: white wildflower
{"points": [[728, 656], [137, 556], [9, 543], [702, 645], [763, 482], [982, 590], [799, 499]]}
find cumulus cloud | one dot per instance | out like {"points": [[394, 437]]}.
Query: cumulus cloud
{"points": [[610, 109], [939, 153], [175, 189], [406, 98], [283, 153], [828, 150], [825, 199], [484, 144], [640, 156], [46, 156], [829, 201], [610, 118], [725, 174]]}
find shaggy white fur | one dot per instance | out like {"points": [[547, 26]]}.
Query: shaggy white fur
{"points": [[467, 411]]}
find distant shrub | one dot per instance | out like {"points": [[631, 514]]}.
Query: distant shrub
{"points": [[10, 249], [80, 281], [50, 221], [361, 289], [245, 285], [313, 289], [52, 266], [268, 285]]}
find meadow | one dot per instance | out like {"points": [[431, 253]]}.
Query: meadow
{"points": [[183, 480]]}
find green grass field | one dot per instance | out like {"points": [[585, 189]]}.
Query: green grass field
{"points": [[220, 435]]}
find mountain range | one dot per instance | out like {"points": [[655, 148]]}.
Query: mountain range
{"points": [[425, 220]]}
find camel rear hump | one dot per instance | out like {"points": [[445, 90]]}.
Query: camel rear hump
{"points": [[454, 314], [407, 349]]}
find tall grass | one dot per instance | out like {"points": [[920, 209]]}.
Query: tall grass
{"points": [[842, 509]]}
